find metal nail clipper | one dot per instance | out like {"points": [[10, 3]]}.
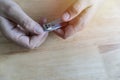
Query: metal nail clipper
{"points": [[51, 26]]}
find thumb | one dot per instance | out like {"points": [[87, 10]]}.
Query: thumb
{"points": [[74, 10]]}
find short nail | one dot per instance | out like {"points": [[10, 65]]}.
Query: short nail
{"points": [[38, 30], [66, 16]]}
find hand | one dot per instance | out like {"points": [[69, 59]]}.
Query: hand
{"points": [[77, 16], [18, 27]]}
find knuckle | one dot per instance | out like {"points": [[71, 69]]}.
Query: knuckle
{"points": [[27, 24], [73, 10]]}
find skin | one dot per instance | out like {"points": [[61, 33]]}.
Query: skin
{"points": [[77, 16], [18, 27]]}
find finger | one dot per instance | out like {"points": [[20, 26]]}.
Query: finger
{"points": [[66, 32], [69, 31], [18, 36], [6, 26], [12, 33], [60, 32], [16, 14], [29, 42], [80, 21], [74, 10], [83, 19], [37, 40], [77, 24]]}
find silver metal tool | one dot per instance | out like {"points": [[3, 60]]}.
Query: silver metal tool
{"points": [[51, 26]]}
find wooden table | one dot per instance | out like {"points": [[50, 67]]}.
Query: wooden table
{"points": [[92, 54]]}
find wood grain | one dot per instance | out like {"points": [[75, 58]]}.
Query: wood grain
{"points": [[92, 54]]}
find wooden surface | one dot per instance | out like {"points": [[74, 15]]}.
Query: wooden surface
{"points": [[92, 54]]}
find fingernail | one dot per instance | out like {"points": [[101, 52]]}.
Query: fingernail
{"points": [[66, 16], [38, 30]]}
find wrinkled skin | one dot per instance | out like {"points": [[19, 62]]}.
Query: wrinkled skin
{"points": [[18, 27], [77, 16]]}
